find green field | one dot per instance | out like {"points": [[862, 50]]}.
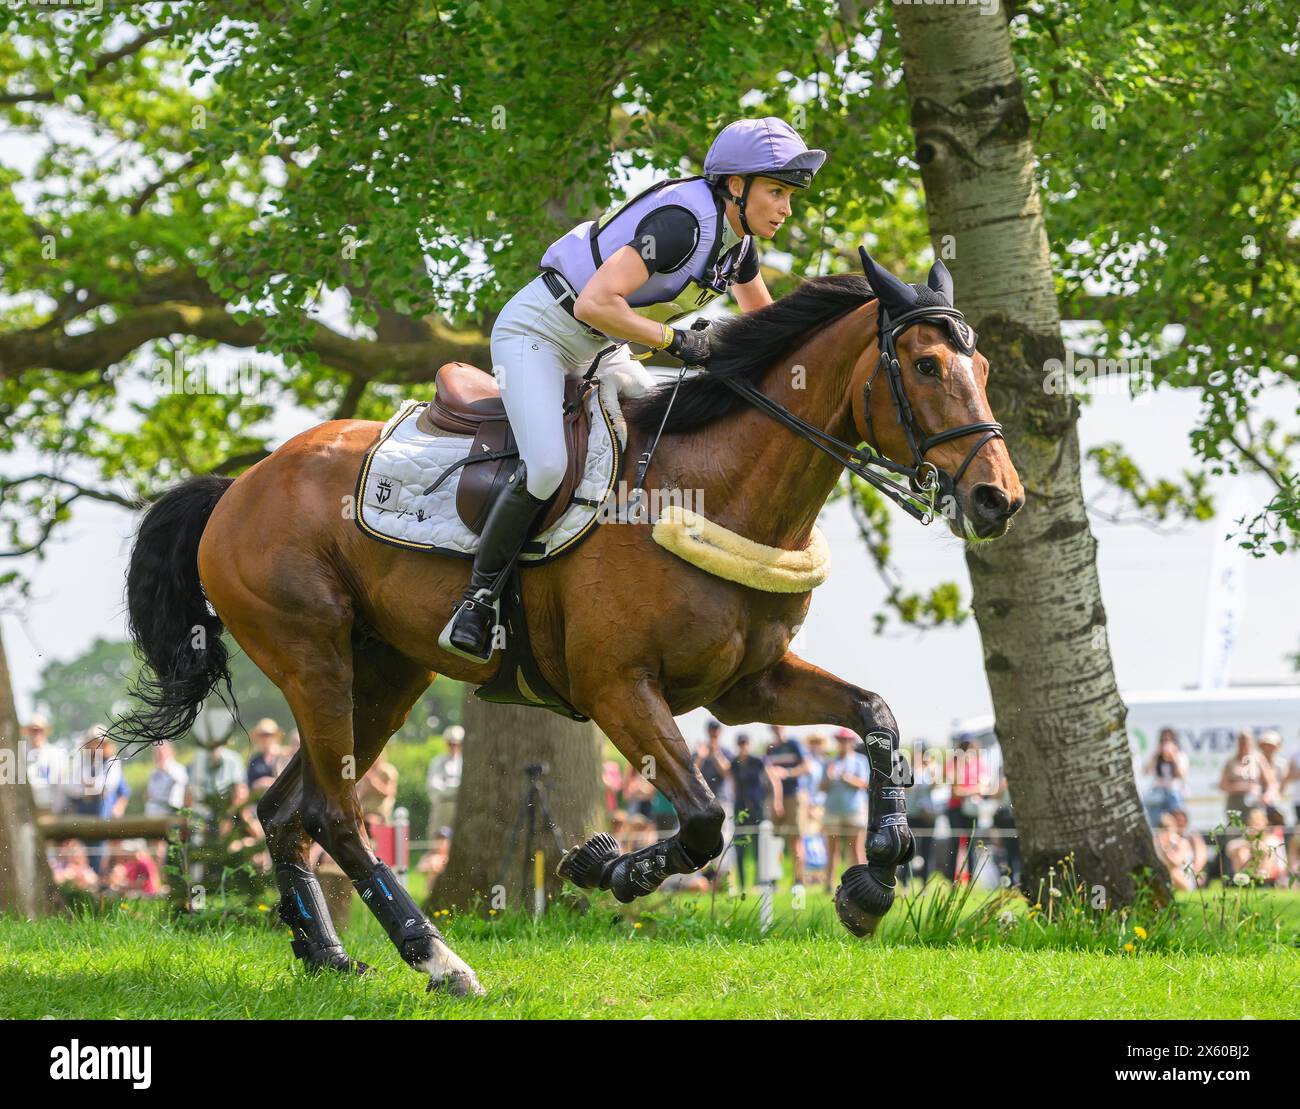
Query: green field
{"points": [[679, 959]]}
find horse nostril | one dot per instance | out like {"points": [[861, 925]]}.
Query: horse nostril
{"points": [[991, 502]]}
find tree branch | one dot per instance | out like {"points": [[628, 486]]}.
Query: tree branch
{"points": [[96, 68], [114, 341]]}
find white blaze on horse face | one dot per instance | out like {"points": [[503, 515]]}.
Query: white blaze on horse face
{"points": [[964, 364]]}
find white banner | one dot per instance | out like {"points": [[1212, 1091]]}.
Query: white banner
{"points": [[1226, 597]]}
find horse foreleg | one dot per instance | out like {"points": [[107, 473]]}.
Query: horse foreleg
{"points": [[796, 692], [641, 726]]}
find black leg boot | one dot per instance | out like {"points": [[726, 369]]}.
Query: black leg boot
{"points": [[469, 631]]}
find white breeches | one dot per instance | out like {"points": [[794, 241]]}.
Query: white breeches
{"points": [[535, 344]]}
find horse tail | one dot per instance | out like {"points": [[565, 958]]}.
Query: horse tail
{"points": [[174, 631]]}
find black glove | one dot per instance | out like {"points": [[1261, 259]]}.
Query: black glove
{"points": [[691, 347]]}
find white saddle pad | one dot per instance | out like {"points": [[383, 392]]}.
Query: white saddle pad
{"points": [[392, 506]]}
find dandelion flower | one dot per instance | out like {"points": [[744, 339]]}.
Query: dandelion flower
{"points": [[1140, 932], [1241, 878], [1129, 948]]}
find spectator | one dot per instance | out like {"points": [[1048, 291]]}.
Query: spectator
{"points": [[377, 792], [1292, 778], [815, 745], [164, 793], [715, 769], [963, 805], [1247, 777], [925, 802], [46, 764], [287, 751], [96, 786], [134, 873], [1004, 820], [218, 786], [750, 780], [714, 765], [1181, 849], [846, 804], [433, 862], [71, 867], [789, 762], [1270, 750], [265, 763], [1168, 770], [442, 783], [611, 776], [1260, 852]]}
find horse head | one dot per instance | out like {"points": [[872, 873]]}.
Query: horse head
{"points": [[923, 405]]}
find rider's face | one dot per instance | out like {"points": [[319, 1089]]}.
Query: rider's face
{"points": [[768, 205]]}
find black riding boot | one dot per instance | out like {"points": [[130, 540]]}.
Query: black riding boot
{"points": [[469, 631]]}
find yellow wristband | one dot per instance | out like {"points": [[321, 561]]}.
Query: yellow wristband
{"points": [[668, 338]]}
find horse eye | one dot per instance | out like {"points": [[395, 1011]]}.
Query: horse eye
{"points": [[928, 366]]}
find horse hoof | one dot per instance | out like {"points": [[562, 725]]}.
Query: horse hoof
{"points": [[862, 899], [458, 984], [585, 864], [338, 961]]}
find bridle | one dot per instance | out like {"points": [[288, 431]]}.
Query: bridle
{"points": [[925, 480]]}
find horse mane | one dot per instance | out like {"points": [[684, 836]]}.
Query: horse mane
{"points": [[746, 346]]}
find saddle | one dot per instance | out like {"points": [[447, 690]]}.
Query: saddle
{"points": [[467, 401]]}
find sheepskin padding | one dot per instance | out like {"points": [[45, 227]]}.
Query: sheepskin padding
{"points": [[725, 554]]}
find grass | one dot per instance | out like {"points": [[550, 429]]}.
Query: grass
{"points": [[677, 958]]}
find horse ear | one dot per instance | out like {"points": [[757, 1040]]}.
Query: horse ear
{"points": [[940, 280], [896, 296]]}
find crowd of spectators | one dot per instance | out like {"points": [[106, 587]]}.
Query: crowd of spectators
{"points": [[1257, 836], [813, 788]]}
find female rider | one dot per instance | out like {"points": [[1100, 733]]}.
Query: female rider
{"points": [[626, 277]]}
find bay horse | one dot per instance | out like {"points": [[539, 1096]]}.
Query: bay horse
{"points": [[628, 633]]}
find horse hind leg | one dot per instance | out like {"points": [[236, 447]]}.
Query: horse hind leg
{"points": [[304, 644], [302, 903], [385, 686]]}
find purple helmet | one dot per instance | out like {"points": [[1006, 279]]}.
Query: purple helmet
{"points": [[767, 147]]}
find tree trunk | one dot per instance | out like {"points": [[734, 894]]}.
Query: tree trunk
{"points": [[26, 887], [1060, 719], [501, 741]]}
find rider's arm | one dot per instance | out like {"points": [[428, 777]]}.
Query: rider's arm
{"points": [[603, 300], [664, 241], [752, 294]]}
